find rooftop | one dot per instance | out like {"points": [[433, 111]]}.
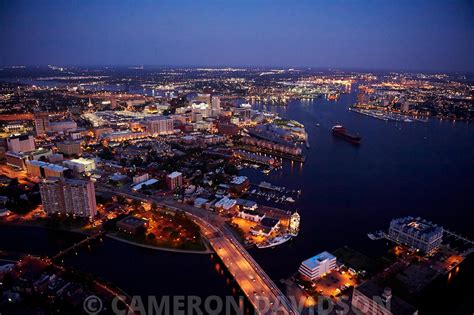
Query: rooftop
{"points": [[139, 186], [314, 261], [55, 167], [237, 180], [174, 174], [397, 305], [82, 161]]}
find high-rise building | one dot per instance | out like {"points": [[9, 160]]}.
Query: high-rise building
{"points": [[215, 106], [42, 125], [68, 196], [174, 180], [159, 125], [316, 266], [21, 143], [416, 233]]}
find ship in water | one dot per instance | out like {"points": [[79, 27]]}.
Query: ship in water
{"points": [[341, 132]]}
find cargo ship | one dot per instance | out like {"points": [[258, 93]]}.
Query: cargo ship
{"points": [[340, 131]]}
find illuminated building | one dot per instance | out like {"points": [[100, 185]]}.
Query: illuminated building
{"points": [[44, 170], [68, 196], [70, 147], [159, 125], [42, 124], [21, 143], [316, 266], [174, 180], [80, 165], [416, 233]]}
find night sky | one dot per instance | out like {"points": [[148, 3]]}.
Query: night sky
{"points": [[406, 35]]}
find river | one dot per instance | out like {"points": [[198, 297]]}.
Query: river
{"points": [[418, 169]]}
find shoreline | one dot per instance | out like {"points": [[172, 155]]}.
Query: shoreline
{"points": [[207, 251]]}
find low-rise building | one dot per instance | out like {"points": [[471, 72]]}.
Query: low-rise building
{"points": [[239, 185], [150, 182], [315, 267], [18, 160], [44, 170], [251, 215], [371, 298], [80, 165], [267, 226], [226, 204], [132, 225], [416, 233], [70, 147]]}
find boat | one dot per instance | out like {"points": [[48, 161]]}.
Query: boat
{"points": [[341, 132], [289, 199], [278, 240]]}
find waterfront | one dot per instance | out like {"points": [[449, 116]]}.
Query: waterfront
{"points": [[420, 169], [135, 270]]}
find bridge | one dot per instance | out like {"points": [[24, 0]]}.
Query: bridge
{"points": [[77, 245], [257, 286]]}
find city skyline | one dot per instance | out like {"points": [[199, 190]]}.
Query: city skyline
{"points": [[412, 36], [236, 157]]}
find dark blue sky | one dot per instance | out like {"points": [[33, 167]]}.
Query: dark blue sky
{"points": [[411, 35]]}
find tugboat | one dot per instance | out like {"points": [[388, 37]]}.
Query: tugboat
{"points": [[341, 132]]}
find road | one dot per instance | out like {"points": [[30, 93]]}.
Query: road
{"points": [[264, 295]]}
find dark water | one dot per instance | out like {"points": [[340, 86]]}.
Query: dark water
{"points": [[136, 270], [418, 169]]}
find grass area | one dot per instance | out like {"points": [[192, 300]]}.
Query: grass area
{"points": [[356, 260], [198, 246]]}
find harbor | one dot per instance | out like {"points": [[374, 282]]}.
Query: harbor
{"points": [[387, 116]]}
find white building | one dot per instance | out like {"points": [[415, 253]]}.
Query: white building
{"points": [[315, 267], [21, 143], [416, 233], [80, 165]]}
